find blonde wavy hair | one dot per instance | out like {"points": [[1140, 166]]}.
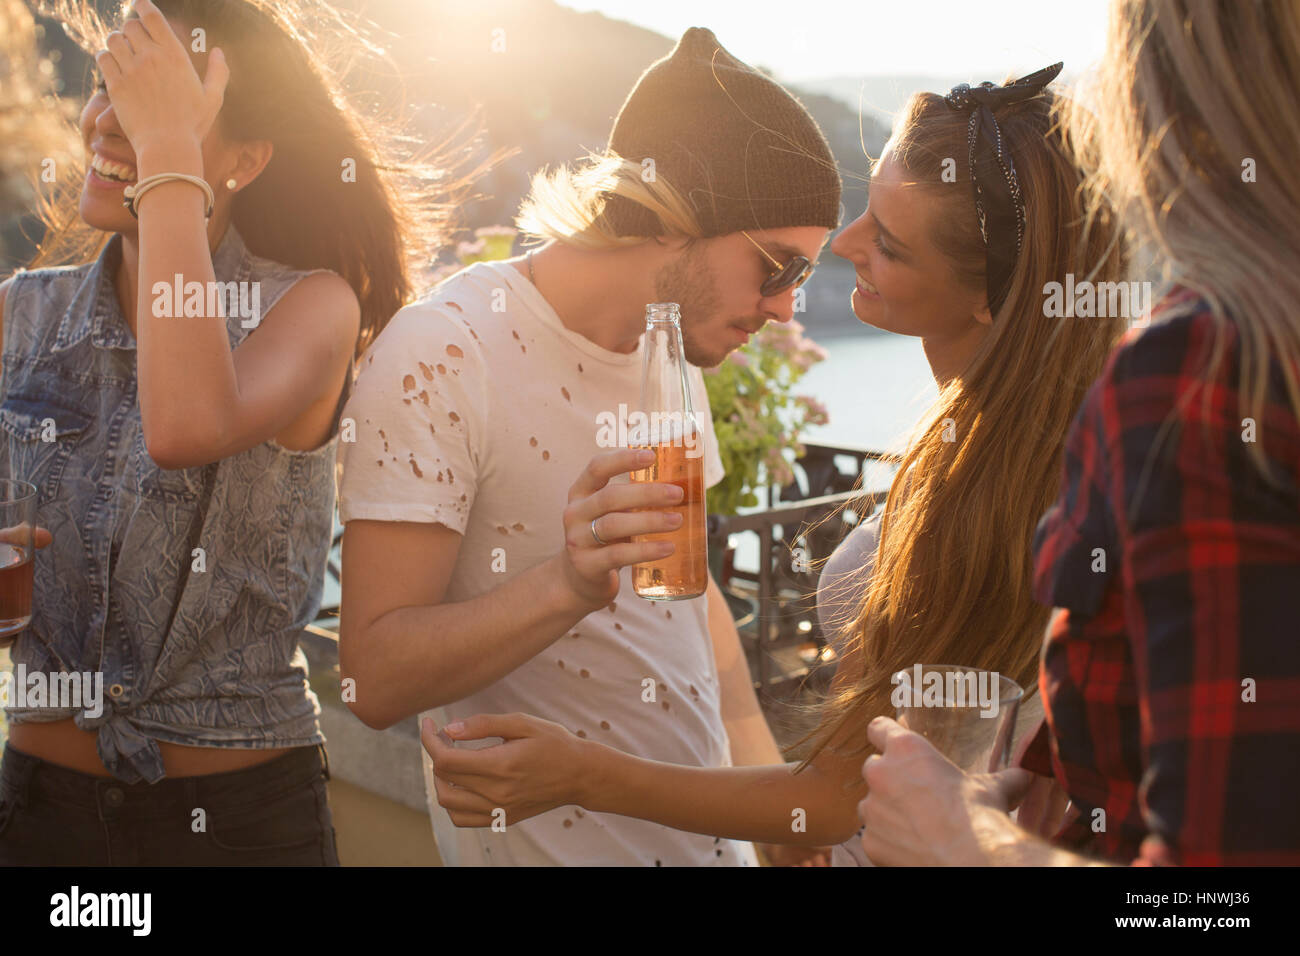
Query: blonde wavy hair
{"points": [[952, 581], [34, 124], [566, 204], [1198, 133]]}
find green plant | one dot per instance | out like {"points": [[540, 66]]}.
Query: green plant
{"points": [[756, 415]]}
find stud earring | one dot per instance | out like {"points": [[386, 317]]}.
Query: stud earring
{"points": [[231, 184]]}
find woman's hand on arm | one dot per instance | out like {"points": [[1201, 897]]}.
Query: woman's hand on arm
{"points": [[541, 766]]}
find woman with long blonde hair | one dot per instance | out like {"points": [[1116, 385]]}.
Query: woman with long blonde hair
{"points": [[1169, 673], [955, 248]]}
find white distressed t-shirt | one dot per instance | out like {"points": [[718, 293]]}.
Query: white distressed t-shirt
{"points": [[477, 409]]}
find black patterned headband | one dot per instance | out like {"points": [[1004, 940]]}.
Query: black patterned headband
{"points": [[998, 201]]}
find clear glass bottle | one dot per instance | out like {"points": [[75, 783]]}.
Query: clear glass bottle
{"points": [[667, 425]]}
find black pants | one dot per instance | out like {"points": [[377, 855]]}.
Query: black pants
{"points": [[272, 814]]}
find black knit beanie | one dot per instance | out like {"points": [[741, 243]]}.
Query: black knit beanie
{"points": [[740, 149]]}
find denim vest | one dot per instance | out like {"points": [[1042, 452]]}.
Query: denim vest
{"points": [[197, 648]]}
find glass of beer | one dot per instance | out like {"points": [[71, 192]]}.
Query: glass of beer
{"points": [[17, 549], [969, 715]]}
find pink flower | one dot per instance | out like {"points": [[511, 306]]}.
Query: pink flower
{"points": [[764, 417], [808, 355], [776, 336], [779, 471], [817, 413]]}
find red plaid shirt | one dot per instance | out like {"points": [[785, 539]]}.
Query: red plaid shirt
{"points": [[1177, 569]]}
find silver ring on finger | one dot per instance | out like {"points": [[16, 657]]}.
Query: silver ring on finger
{"points": [[599, 542]]}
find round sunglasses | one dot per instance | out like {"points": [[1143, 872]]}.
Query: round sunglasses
{"points": [[790, 275]]}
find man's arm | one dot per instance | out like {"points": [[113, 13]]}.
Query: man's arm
{"points": [[405, 647], [408, 651], [1006, 843]]}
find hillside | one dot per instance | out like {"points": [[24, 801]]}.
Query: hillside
{"points": [[554, 90]]}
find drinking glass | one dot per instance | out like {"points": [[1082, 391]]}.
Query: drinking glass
{"points": [[17, 549], [969, 715]]}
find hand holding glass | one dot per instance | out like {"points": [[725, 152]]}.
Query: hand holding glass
{"points": [[17, 550], [969, 715]]}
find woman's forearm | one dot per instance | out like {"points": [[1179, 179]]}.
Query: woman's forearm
{"points": [[766, 804], [186, 373]]}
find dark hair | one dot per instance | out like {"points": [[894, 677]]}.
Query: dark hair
{"points": [[300, 211]]}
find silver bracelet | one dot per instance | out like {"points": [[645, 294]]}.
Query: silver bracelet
{"points": [[136, 190]]}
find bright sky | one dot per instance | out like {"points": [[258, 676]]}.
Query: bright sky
{"points": [[814, 39]]}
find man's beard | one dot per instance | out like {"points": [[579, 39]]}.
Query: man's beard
{"points": [[688, 281]]}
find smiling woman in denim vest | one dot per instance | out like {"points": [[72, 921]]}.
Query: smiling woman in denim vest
{"points": [[189, 485]]}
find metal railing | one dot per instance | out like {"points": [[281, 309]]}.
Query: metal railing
{"points": [[775, 605]]}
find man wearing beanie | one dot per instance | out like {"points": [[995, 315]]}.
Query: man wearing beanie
{"points": [[476, 577]]}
